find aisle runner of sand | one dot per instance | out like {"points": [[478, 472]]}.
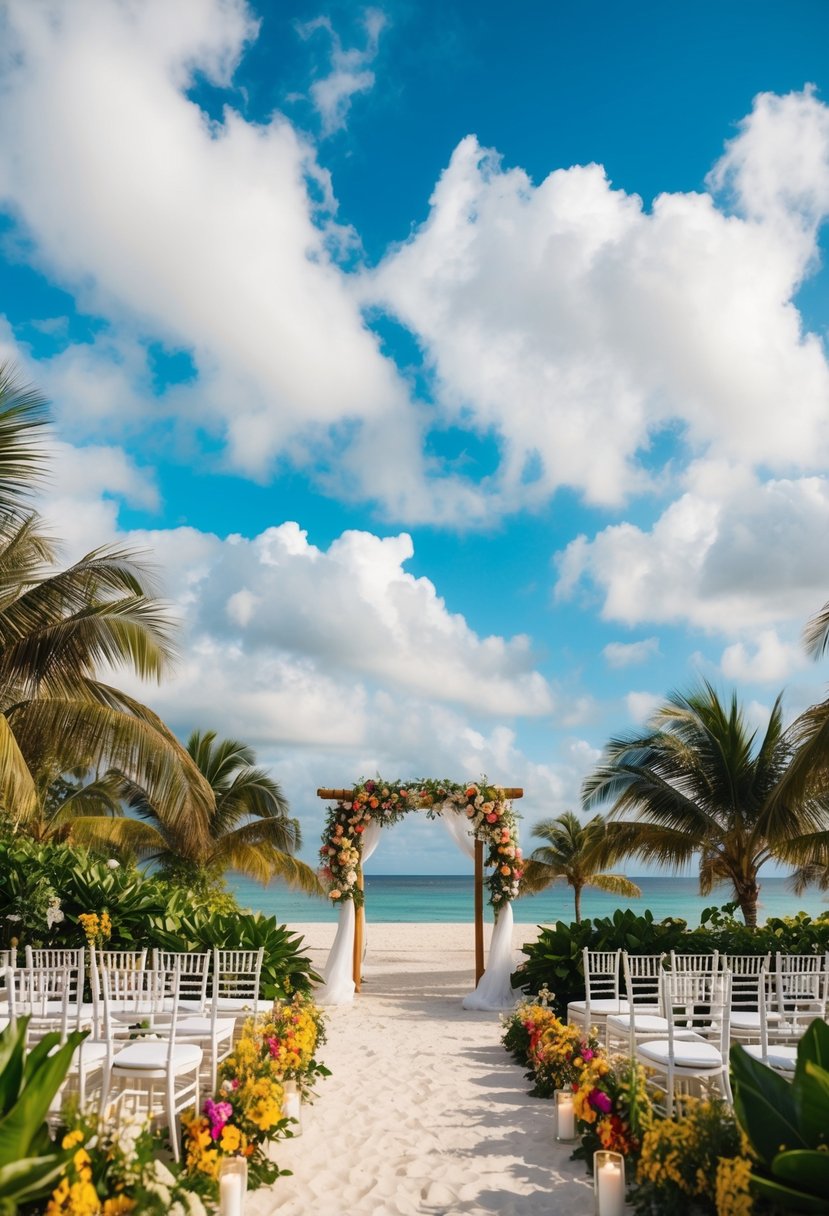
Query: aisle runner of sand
{"points": [[424, 1112]]}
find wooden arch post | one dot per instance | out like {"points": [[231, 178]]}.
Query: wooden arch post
{"points": [[511, 794]]}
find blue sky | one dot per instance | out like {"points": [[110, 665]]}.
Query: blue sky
{"points": [[464, 369]]}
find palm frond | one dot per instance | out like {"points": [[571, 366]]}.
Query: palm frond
{"points": [[615, 884], [23, 458]]}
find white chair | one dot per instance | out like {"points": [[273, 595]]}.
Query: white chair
{"points": [[236, 978], [148, 1063], [643, 992], [781, 1022], [602, 997], [697, 1006], [199, 1019], [745, 1014], [42, 996]]}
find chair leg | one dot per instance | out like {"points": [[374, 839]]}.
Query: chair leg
{"points": [[172, 1118]]}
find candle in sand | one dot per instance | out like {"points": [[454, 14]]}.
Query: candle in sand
{"points": [[565, 1116], [611, 1189]]}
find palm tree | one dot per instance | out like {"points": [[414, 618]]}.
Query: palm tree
{"points": [[570, 853], [57, 628], [249, 829], [702, 783]]}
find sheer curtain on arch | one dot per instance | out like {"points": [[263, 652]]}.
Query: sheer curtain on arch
{"points": [[337, 987], [494, 990]]}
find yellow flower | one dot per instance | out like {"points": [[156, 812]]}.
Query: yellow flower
{"points": [[732, 1187], [231, 1141], [118, 1206]]}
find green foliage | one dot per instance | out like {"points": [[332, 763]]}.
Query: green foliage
{"points": [[555, 958], [30, 1165], [787, 1123], [144, 910]]}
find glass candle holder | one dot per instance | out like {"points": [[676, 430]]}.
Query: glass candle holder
{"points": [[609, 1183], [292, 1105], [233, 1186], [565, 1116]]}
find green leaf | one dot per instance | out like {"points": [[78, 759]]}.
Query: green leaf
{"points": [[785, 1197], [764, 1106], [43, 1080], [32, 1177], [807, 1169], [12, 1052], [811, 1096]]}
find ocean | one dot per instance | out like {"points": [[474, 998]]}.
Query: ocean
{"points": [[449, 897]]}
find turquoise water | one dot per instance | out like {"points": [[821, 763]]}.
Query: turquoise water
{"points": [[442, 897]]}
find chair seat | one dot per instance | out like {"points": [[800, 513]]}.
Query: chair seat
{"points": [[153, 1056], [749, 1019], [91, 1052], [779, 1056], [603, 1007], [230, 1004], [687, 1053], [205, 1027]]}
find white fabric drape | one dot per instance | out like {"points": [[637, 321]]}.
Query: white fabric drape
{"points": [[494, 989], [337, 987], [338, 977], [456, 823]]}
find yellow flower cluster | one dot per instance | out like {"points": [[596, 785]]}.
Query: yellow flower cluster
{"points": [[732, 1187], [696, 1153], [98, 929], [75, 1195], [202, 1152]]}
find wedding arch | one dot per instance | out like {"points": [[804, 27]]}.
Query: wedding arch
{"points": [[480, 819]]}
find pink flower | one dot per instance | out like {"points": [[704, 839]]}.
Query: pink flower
{"points": [[273, 1046], [599, 1100], [492, 817], [218, 1114], [587, 1054]]}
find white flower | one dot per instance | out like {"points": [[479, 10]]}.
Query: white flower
{"points": [[113, 864], [194, 1204], [13, 916], [54, 916], [162, 1174]]}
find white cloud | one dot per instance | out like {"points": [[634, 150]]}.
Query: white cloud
{"points": [[351, 612], [350, 73], [204, 236], [627, 654], [574, 325], [766, 658], [730, 554], [641, 706]]}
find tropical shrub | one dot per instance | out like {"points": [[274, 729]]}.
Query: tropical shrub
{"points": [[556, 959], [143, 910], [787, 1124]]}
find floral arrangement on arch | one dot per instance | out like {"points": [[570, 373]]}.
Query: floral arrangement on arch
{"points": [[491, 820]]}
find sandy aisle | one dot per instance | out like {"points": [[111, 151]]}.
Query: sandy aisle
{"points": [[424, 1112]]}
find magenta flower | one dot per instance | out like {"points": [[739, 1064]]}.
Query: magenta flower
{"points": [[586, 1054], [599, 1100], [274, 1044], [218, 1114]]}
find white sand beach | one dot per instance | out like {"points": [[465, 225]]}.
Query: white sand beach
{"points": [[424, 1112]]}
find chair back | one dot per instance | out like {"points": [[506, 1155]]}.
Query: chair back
{"points": [[42, 995], [601, 974], [709, 961], [643, 980], [745, 970], [193, 972], [120, 959], [801, 985], [236, 976], [698, 1002]]}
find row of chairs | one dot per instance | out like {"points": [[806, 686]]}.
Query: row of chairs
{"points": [[155, 1033], [681, 1012]]}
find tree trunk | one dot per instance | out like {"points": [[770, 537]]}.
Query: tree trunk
{"points": [[577, 893], [747, 899]]}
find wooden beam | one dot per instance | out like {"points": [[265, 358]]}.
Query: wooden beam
{"points": [[348, 795], [479, 910], [359, 923]]}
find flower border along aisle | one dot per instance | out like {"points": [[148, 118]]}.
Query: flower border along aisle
{"points": [[491, 820]]}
